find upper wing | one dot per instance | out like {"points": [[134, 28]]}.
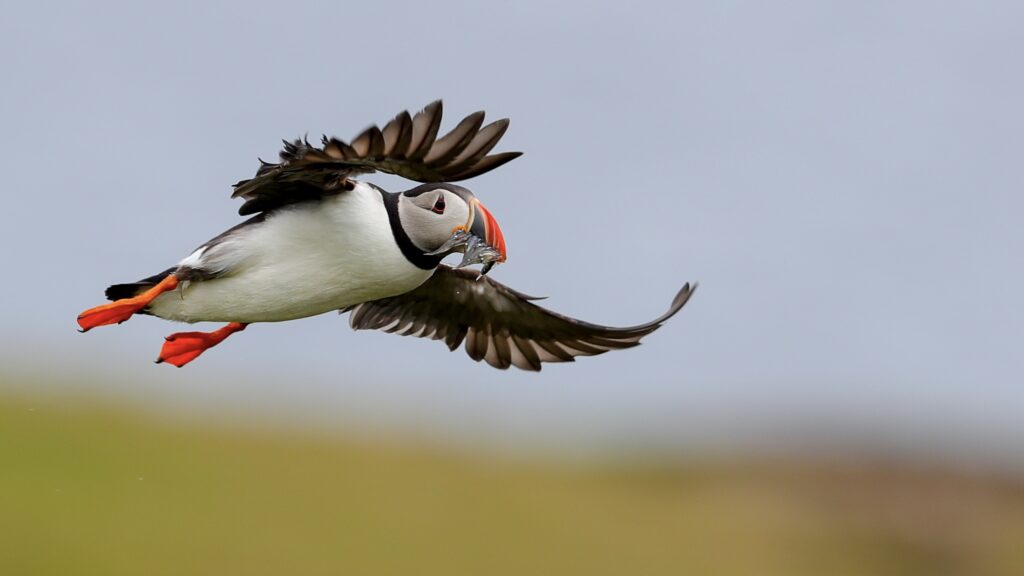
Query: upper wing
{"points": [[407, 146], [499, 324]]}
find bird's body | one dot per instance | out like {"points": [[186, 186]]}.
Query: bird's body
{"points": [[322, 241], [301, 260]]}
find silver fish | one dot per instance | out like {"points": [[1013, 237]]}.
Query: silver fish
{"points": [[474, 249]]}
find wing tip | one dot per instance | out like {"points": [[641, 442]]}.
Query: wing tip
{"points": [[683, 296]]}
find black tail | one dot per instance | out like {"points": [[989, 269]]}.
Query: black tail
{"points": [[120, 291]]}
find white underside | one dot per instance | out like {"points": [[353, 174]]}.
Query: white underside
{"points": [[301, 261]]}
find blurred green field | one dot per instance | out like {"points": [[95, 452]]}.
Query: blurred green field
{"points": [[92, 490]]}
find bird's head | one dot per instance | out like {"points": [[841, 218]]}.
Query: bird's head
{"points": [[445, 218]]}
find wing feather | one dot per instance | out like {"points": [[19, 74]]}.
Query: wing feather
{"points": [[451, 144], [408, 146], [497, 324], [482, 143], [397, 134], [425, 126]]}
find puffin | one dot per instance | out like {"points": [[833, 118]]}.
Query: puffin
{"points": [[318, 240]]}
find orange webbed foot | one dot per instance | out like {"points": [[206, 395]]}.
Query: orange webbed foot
{"points": [[121, 310], [183, 347], [113, 313]]}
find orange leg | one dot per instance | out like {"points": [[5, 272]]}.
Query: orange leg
{"points": [[184, 347], [121, 310]]}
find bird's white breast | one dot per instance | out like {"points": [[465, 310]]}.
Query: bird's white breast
{"points": [[301, 261]]}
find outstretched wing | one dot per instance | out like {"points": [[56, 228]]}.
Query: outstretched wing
{"points": [[407, 146], [499, 325]]}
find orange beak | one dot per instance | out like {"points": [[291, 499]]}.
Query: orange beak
{"points": [[485, 226]]}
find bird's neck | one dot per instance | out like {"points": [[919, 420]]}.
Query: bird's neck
{"points": [[412, 253]]}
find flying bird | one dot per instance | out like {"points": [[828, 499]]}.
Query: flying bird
{"points": [[320, 241]]}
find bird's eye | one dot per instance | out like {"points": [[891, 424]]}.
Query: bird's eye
{"points": [[439, 205]]}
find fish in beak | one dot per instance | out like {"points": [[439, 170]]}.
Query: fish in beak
{"points": [[480, 240]]}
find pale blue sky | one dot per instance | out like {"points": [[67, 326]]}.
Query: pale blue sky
{"points": [[844, 180]]}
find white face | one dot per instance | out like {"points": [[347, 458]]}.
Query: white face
{"points": [[430, 218]]}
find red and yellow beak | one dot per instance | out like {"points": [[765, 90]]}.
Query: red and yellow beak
{"points": [[484, 226]]}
